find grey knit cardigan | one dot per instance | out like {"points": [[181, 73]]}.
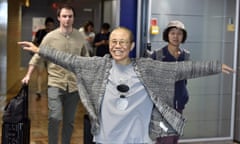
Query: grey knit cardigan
{"points": [[157, 77]]}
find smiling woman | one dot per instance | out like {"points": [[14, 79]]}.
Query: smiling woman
{"points": [[121, 43], [148, 107]]}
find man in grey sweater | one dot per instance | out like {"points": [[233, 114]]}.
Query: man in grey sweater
{"points": [[128, 100]]}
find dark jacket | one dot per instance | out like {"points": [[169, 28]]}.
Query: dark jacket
{"points": [[181, 93]]}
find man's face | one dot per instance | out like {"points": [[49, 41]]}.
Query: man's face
{"points": [[120, 45], [66, 18], [50, 26]]}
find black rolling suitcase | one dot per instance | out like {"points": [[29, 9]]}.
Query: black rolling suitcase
{"points": [[16, 121]]}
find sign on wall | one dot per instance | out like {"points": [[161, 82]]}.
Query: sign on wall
{"points": [[37, 23]]}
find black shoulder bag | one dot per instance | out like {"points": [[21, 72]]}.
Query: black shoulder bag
{"points": [[17, 108]]}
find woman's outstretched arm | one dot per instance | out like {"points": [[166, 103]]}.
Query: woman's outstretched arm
{"points": [[66, 60]]}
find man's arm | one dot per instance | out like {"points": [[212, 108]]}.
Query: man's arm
{"points": [[28, 74], [31, 68]]}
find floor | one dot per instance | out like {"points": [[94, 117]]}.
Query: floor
{"points": [[38, 115]]}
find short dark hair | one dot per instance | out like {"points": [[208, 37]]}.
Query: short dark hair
{"points": [[66, 6], [105, 26], [131, 36], [49, 20], [166, 32]]}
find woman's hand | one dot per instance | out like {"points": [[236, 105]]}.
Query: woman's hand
{"points": [[226, 69], [29, 46]]}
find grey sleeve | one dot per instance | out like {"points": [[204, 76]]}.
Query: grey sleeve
{"points": [[190, 69], [66, 60]]}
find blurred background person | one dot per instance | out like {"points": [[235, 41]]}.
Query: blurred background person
{"points": [[87, 32], [49, 26], [101, 41]]}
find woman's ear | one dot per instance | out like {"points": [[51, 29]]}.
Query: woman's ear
{"points": [[132, 46]]}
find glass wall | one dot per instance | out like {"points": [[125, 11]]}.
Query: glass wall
{"points": [[211, 36], [111, 12]]}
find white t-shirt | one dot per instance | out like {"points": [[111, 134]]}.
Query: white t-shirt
{"points": [[89, 45]]}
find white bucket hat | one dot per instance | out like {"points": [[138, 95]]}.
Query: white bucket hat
{"points": [[177, 24]]}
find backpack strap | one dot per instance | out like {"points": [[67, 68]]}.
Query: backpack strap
{"points": [[186, 55], [159, 54]]}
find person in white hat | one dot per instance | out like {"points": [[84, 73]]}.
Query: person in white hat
{"points": [[175, 34]]}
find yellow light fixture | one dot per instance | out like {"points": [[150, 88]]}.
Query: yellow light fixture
{"points": [[154, 29], [26, 3]]}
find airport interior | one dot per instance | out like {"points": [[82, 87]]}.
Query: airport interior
{"points": [[213, 110]]}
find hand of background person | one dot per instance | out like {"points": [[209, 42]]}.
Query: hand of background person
{"points": [[104, 42], [29, 46], [89, 39], [226, 69], [26, 79]]}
